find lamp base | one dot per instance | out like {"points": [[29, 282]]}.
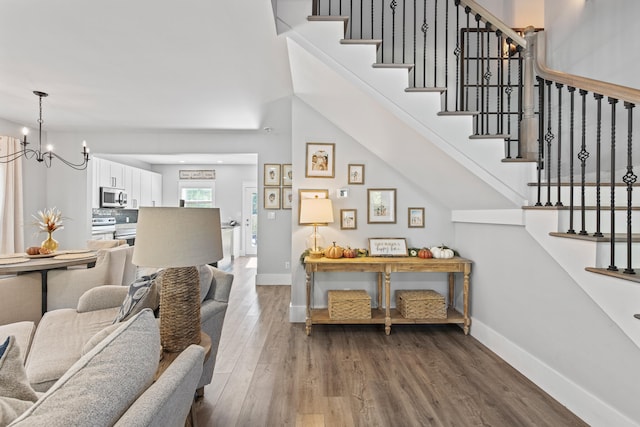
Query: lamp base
{"points": [[179, 308], [315, 254]]}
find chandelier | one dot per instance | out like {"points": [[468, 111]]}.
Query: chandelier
{"points": [[43, 156]]}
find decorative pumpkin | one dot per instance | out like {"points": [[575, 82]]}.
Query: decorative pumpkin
{"points": [[442, 252], [333, 251], [425, 253], [413, 252], [349, 253]]}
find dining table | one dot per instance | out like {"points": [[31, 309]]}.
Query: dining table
{"points": [[21, 263]]}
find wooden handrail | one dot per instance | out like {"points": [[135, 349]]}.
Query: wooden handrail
{"points": [[496, 23], [621, 93]]}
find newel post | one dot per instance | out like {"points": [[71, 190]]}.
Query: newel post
{"points": [[529, 124]]}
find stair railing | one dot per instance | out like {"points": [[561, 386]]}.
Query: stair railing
{"points": [[488, 70]]}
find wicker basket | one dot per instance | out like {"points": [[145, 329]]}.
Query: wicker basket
{"points": [[421, 304], [352, 304]]}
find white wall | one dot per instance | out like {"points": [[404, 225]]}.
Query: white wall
{"points": [[310, 126], [522, 296], [594, 39], [228, 184]]}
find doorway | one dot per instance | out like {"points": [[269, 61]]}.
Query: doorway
{"points": [[250, 217]]}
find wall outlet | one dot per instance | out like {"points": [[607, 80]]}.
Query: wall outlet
{"points": [[287, 265]]}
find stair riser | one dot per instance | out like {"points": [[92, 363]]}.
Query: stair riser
{"points": [[605, 221], [603, 255], [590, 196]]}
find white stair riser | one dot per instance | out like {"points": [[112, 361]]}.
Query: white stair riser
{"points": [[605, 221], [590, 195], [603, 255]]}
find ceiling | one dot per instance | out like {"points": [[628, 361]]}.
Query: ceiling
{"points": [[141, 65]]}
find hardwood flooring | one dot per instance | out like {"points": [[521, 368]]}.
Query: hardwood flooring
{"points": [[270, 373]]}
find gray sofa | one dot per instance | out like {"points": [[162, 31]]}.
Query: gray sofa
{"points": [[113, 383], [62, 335]]}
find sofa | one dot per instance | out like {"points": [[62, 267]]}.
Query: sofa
{"points": [[111, 384], [69, 330]]}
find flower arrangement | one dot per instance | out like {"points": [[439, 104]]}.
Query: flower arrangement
{"points": [[49, 220]]}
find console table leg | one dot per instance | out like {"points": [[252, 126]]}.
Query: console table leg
{"points": [[387, 289], [308, 320]]}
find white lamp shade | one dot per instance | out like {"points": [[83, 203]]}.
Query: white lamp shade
{"points": [[316, 211], [177, 237]]}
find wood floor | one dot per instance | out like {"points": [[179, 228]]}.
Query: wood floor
{"points": [[270, 373]]}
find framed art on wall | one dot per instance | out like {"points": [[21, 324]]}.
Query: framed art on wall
{"points": [[320, 161], [271, 174], [310, 194], [287, 198], [356, 174], [416, 218], [272, 198], [348, 219], [287, 175], [381, 205]]}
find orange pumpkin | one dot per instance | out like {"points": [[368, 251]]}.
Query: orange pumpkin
{"points": [[425, 253], [333, 251], [349, 253]]}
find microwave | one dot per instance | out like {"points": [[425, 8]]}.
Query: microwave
{"points": [[112, 197]]}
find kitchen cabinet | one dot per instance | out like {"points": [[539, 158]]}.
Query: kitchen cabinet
{"points": [[143, 187], [110, 174], [150, 188]]}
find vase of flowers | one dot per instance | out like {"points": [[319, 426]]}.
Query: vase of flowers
{"points": [[48, 221]]}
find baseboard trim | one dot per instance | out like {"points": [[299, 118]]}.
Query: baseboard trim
{"points": [[273, 279], [585, 405]]}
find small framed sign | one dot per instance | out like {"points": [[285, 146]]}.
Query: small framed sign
{"points": [[386, 246], [416, 218], [196, 174]]}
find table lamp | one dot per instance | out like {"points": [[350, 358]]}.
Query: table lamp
{"points": [[178, 239], [315, 212]]}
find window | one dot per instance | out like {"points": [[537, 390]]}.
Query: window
{"points": [[197, 194]]}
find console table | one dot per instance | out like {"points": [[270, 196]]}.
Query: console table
{"points": [[384, 266]]}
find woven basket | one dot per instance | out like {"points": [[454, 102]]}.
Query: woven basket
{"points": [[426, 304], [180, 308], [345, 305]]}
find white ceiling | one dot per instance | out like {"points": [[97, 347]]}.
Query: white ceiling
{"points": [[143, 64]]}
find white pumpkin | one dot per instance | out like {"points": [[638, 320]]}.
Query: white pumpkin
{"points": [[441, 252]]}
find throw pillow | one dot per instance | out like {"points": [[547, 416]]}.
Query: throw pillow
{"points": [[206, 275], [142, 294], [16, 394]]}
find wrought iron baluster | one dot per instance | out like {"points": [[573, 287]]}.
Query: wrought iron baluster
{"points": [[435, 43], [549, 137], [457, 52], [520, 93], [382, 44], [540, 165], [559, 86], [629, 178], [415, 22], [598, 98], [508, 90], [446, 54], [424, 28], [351, 19], [404, 29], [478, 73], [583, 155], [467, 10], [393, 6], [612, 266], [572, 91], [500, 83], [361, 19]]}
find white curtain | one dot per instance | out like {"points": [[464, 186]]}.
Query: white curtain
{"points": [[11, 204]]}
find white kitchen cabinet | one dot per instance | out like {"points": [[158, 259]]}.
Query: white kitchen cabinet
{"points": [[143, 187], [134, 192], [110, 174], [156, 189]]}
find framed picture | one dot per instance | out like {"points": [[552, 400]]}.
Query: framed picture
{"points": [[348, 219], [310, 194], [381, 205], [287, 198], [356, 174], [320, 162], [287, 175], [384, 246], [271, 174], [416, 218], [272, 198]]}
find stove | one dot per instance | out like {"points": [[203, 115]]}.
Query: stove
{"points": [[103, 226], [126, 231]]}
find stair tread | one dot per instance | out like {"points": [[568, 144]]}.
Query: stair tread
{"points": [[496, 136], [576, 207], [458, 113], [327, 18], [617, 274], [587, 184], [518, 160], [620, 237], [425, 89], [387, 65], [361, 41]]}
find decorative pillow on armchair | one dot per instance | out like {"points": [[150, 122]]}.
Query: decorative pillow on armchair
{"points": [[142, 294], [16, 394]]}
